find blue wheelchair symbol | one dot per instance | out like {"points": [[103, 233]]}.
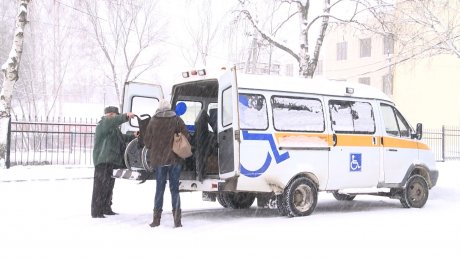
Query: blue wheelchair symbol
{"points": [[278, 157], [355, 162]]}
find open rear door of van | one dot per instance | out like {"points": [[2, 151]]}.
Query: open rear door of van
{"points": [[228, 126], [141, 99]]}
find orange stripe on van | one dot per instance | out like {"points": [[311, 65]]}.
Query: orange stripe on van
{"points": [[423, 146], [391, 142], [313, 136], [348, 140], [357, 140]]}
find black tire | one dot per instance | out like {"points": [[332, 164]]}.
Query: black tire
{"points": [[239, 200], [343, 197], [222, 200], [301, 197], [280, 205], [415, 194], [263, 200]]}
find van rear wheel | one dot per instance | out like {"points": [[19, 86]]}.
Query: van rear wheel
{"points": [[415, 194], [222, 200], [343, 197], [301, 197], [238, 200]]}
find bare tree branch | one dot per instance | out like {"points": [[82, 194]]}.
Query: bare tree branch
{"points": [[268, 37]]}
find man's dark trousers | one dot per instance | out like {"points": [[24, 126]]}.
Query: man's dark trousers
{"points": [[102, 189]]}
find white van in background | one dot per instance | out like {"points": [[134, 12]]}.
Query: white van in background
{"points": [[283, 139]]}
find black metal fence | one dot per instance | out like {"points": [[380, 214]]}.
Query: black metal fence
{"points": [[55, 141], [61, 141], [444, 142]]}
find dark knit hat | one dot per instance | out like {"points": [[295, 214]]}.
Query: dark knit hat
{"points": [[111, 109]]}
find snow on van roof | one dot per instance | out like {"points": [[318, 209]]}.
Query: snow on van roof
{"points": [[313, 86]]}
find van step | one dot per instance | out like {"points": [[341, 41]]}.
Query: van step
{"points": [[129, 174]]}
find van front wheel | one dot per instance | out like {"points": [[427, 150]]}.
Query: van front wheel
{"points": [[415, 194], [301, 197], [280, 204]]}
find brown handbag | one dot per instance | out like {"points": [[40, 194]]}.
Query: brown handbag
{"points": [[181, 146]]}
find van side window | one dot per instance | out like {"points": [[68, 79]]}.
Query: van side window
{"points": [[352, 117], [253, 111], [395, 124], [143, 105], [227, 107], [404, 127], [297, 114]]}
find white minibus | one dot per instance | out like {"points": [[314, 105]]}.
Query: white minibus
{"points": [[284, 139]]}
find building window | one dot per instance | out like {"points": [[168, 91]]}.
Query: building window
{"points": [[289, 70], [365, 47], [387, 84], [365, 80], [319, 67], [342, 50], [388, 44]]}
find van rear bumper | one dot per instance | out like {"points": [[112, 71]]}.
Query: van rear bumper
{"points": [[434, 174], [132, 174]]}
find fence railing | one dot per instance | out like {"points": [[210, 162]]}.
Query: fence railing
{"points": [[61, 141], [444, 142], [58, 141]]}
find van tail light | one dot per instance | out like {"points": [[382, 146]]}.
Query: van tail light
{"points": [[188, 74]]}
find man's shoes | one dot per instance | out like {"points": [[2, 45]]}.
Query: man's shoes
{"points": [[98, 216], [110, 212]]}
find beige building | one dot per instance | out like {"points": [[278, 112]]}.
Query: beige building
{"points": [[426, 90], [351, 55]]}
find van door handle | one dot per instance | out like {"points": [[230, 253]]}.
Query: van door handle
{"points": [[334, 139], [392, 150]]}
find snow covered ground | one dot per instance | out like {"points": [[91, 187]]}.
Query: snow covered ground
{"points": [[45, 212]]}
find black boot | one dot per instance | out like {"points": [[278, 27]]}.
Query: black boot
{"points": [[156, 218], [177, 218], [109, 211]]}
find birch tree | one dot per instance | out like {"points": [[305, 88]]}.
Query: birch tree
{"points": [[7, 10], [125, 31], [10, 71], [311, 26]]}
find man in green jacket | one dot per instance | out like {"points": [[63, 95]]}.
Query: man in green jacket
{"points": [[109, 147]]}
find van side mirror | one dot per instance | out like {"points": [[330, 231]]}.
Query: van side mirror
{"points": [[418, 132]]}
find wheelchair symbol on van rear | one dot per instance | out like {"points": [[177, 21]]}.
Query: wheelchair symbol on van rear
{"points": [[278, 157], [355, 162]]}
